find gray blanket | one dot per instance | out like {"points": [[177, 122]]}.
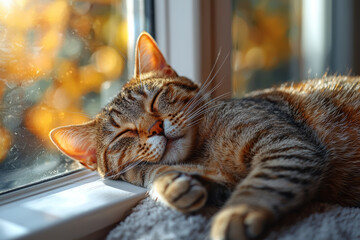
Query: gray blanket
{"points": [[150, 220]]}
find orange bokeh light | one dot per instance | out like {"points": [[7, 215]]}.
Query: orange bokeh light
{"points": [[40, 45], [5, 143], [41, 119]]}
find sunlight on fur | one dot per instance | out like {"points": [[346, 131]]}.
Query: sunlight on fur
{"points": [[274, 149]]}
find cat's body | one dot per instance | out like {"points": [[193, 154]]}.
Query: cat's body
{"points": [[314, 124], [274, 150]]}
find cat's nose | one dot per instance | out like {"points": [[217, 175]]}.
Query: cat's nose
{"points": [[157, 128]]}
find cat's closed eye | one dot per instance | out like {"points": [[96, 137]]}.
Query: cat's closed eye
{"points": [[113, 122], [163, 99], [113, 117], [154, 103], [128, 133]]}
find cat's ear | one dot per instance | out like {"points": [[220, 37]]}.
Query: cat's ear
{"points": [[78, 142], [148, 57]]}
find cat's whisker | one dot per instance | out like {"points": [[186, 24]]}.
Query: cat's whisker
{"points": [[128, 167], [203, 111], [194, 101], [195, 104], [131, 166], [189, 115], [198, 118], [122, 171], [126, 164], [204, 96], [214, 88], [213, 67], [193, 120], [194, 123], [209, 81], [197, 113], [206, 82], [200, 95]]}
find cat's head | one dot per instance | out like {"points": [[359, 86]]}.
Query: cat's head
{"points": [[153, 119]]}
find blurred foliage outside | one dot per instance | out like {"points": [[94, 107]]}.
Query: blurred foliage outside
{"points": [[54, 58], [266, 43]]}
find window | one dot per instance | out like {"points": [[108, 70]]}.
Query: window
{"points": [[60, 62], [190, 33], [80, 204]]}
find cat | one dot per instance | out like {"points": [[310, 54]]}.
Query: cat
{"points": [[265, 154]]}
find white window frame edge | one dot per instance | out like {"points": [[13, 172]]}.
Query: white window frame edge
{"points": [[191, 34], [74, 207], [44, 186], [196, 63], [178, 39]]}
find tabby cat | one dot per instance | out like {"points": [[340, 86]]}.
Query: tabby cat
{"points": [[274, 149]]}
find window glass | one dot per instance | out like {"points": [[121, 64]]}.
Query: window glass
{"points": [[277, 41], [58, 59], [266, 38]]}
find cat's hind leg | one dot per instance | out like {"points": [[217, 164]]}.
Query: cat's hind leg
{"points": [[277, 185]]}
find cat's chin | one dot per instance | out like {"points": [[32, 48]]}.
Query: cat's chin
{"points": [[175, 150]]}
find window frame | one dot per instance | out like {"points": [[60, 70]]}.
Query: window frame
{"points": [[208, 30], [192, 47], [24, 218]]}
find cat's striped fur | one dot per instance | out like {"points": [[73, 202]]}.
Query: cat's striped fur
{"points": [[274, 150]]}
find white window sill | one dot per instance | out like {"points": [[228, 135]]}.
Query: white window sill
{"points": [[80, 206]]}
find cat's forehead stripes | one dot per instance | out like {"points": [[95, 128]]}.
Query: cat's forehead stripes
{"points": [[130, 104], [120, 113]]}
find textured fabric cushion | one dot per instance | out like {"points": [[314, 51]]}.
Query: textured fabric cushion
{"points": [[153, 221]]}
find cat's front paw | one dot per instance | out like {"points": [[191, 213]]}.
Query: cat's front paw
{"points": [[240, 222], [180, 191]]}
